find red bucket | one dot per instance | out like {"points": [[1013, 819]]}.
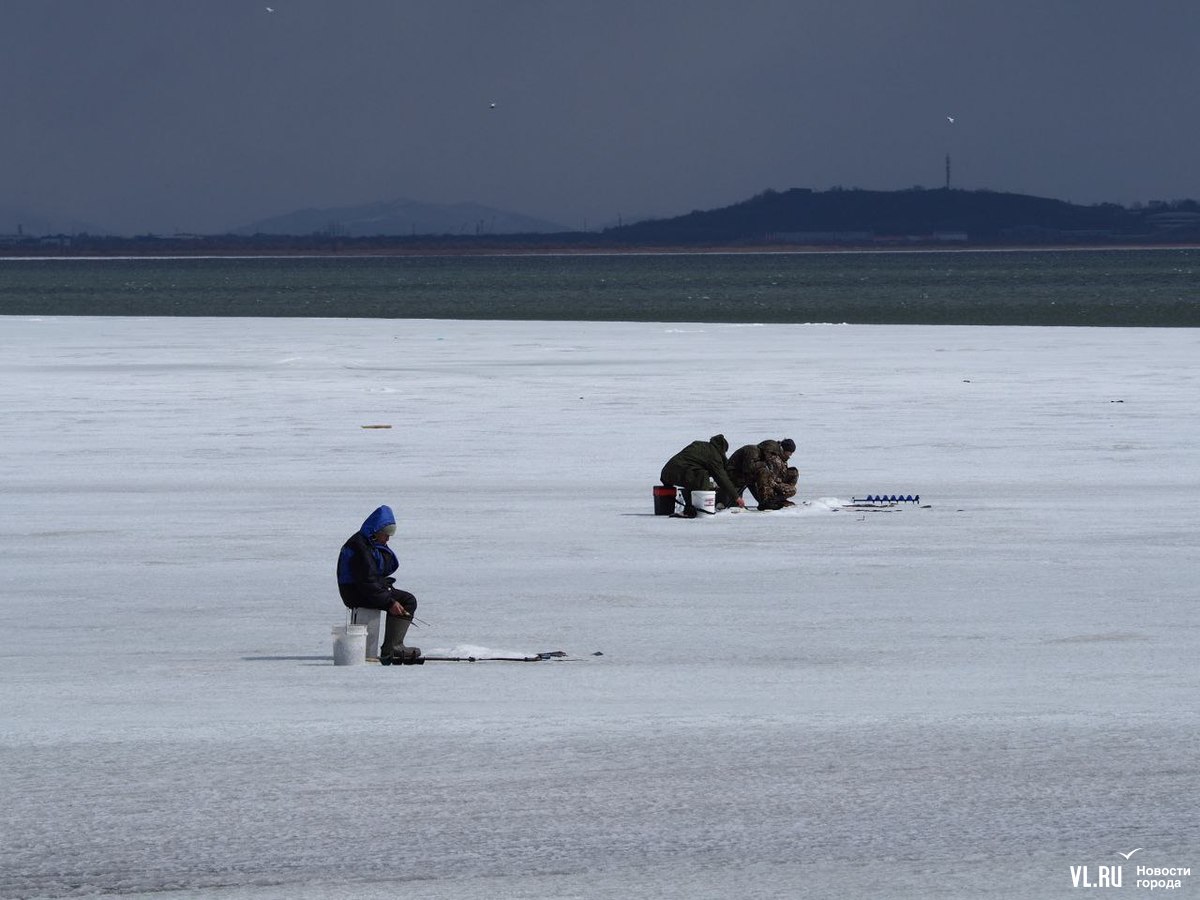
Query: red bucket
{"points": [[664, 499]]}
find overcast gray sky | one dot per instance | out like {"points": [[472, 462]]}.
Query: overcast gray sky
{"points": [[163, 115]]}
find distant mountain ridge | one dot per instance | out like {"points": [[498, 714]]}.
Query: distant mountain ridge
{"points": [[798, 216], [401, 217], [851, 216], [22, 222]]}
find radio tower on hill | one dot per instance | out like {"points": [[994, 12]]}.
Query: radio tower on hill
{"points": [[950, 120]]}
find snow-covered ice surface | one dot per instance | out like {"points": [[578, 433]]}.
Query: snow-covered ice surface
{"points": [[960, 701]]}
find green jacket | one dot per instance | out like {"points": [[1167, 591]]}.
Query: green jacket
{"points": [[698, 461]]}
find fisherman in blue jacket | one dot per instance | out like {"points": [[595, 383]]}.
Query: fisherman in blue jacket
{"points": [[364, 568]]}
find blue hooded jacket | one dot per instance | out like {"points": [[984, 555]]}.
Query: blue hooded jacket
{"points": [[363, 566]]}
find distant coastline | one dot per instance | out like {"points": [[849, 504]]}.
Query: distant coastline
{"points": [[794, 221], [200, 248]]}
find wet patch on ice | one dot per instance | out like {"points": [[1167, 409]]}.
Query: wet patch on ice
{"points": [[1102, 637], [478, 652], [802, 508]]}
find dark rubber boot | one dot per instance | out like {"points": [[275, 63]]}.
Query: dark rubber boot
{"points": [[393, 650], [689, 511]]}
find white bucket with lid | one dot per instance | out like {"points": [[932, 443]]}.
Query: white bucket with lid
{"points": [[705, 502], [349, 645]]}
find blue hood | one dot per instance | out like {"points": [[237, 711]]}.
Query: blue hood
{"points": [[377, 520]]}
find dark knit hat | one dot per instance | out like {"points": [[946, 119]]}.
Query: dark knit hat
{"points": [[788, 445]]}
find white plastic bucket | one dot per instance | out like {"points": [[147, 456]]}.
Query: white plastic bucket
{"points": [[705, 502], [362, 615], [349, 645]]}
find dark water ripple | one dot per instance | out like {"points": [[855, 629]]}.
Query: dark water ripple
{"points": [[1158, 287]]}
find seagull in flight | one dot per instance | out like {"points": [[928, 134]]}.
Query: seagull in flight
{"points": [[270, 9], [1129, 854], [950, 119]]}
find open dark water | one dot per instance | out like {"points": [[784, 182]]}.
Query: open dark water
{"points": [[1081, 287]]}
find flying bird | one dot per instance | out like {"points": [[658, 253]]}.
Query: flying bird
{"points": [[1129, 854], [270, 9], [492, 106], [950, 119]]}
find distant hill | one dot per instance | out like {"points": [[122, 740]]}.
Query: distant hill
{"points": [[858, 216], [401, 218], [25, 223], [797, 217]]}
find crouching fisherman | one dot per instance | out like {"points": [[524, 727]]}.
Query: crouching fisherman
{"points": [[696, 467], [764, 469], [364, 568]]}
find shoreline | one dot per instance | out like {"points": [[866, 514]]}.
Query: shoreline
{"points": [[426, 250]]}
